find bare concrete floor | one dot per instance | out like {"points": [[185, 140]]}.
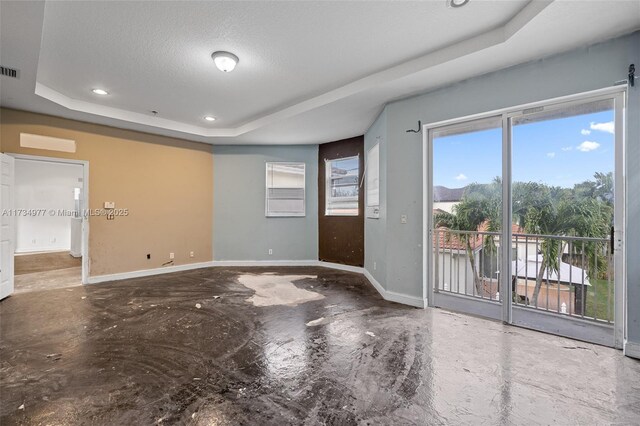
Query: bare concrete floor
{"points": [[197, 348], [48, 280], [46, 271]]}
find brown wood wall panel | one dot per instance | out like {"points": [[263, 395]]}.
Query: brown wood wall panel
{"points": [[341, 238]]}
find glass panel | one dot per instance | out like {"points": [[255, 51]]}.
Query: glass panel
{"points": [[467, 207], [563, 198], [342, 178], [373, 176], [285, 175]]}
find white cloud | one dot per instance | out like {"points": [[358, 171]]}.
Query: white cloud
{"points": [[608, 127], [567, 148], [587, 146], [551, 154], [461, 176], [585, 132]]}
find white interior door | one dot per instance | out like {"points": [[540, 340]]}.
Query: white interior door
{"points": [[7, 225]]}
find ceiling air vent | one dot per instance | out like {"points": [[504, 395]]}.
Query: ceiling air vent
{"points": [[9, 72]]}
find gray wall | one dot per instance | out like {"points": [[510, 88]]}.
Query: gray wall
{"points": [[580, 70], [240, 229]]}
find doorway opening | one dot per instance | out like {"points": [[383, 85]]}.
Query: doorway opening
{"points": [[50, 232]]}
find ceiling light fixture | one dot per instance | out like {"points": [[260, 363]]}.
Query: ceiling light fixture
{"points": [[457, 3], [210, 118], [225, 61], [100, 92]]}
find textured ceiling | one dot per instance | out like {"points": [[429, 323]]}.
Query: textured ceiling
{"points": [[308, 72]]}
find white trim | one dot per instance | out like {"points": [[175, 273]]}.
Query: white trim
{"points": [[427, 203], [190, 266], [631, 349], [620, 218], [264, 263], [341, 267], [147, 272], [392, 296], [86, 264]]}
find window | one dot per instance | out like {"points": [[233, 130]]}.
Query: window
{"points": [[341, 197], [285, 189], [373, 182]]}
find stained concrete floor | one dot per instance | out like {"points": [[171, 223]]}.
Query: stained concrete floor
{"points": [[141, 351]]}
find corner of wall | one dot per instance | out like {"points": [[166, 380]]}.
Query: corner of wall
{"points": [[376, 229]]}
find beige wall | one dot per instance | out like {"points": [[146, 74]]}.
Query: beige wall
{"points": [[167, 185]]}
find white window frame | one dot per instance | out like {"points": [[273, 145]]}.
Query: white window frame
{"points": [[327, 186], [267, 187]]}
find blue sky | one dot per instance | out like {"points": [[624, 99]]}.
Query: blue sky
{"points": [[560, 152]]}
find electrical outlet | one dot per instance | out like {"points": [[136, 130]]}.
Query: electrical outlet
{"points": [[375, 266], [172, 256], [191, 254], [403, 219], [270, 252]]}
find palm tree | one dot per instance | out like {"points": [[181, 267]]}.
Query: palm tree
{"points": [[566, 217], [480, 204]]}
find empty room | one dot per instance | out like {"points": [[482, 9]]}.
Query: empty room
{"points": [[320, 212]]}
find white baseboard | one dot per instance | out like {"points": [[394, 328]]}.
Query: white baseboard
{"points": [[147, 272], [41, 251], [187, 267], [392, 296], [632, 349], [341, 267], [264, 263], [387, 295]]}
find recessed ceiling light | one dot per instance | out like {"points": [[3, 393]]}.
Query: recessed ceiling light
{"points": [[210, 118], [457, 3], [225, 61], [100, 92]]}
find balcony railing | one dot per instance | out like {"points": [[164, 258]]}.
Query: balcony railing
{"points": [[571, 276]]}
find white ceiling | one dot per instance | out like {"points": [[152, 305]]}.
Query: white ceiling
{"points": [[309, 71]]}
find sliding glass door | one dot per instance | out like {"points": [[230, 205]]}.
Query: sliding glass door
{"points": [[525, 216]]}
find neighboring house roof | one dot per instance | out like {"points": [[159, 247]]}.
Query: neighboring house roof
{"points": [[444, 194], [448, 240], [567, 274]]}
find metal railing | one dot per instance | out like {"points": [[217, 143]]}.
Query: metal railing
{"points": [[564, 275], [465, 263]]}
